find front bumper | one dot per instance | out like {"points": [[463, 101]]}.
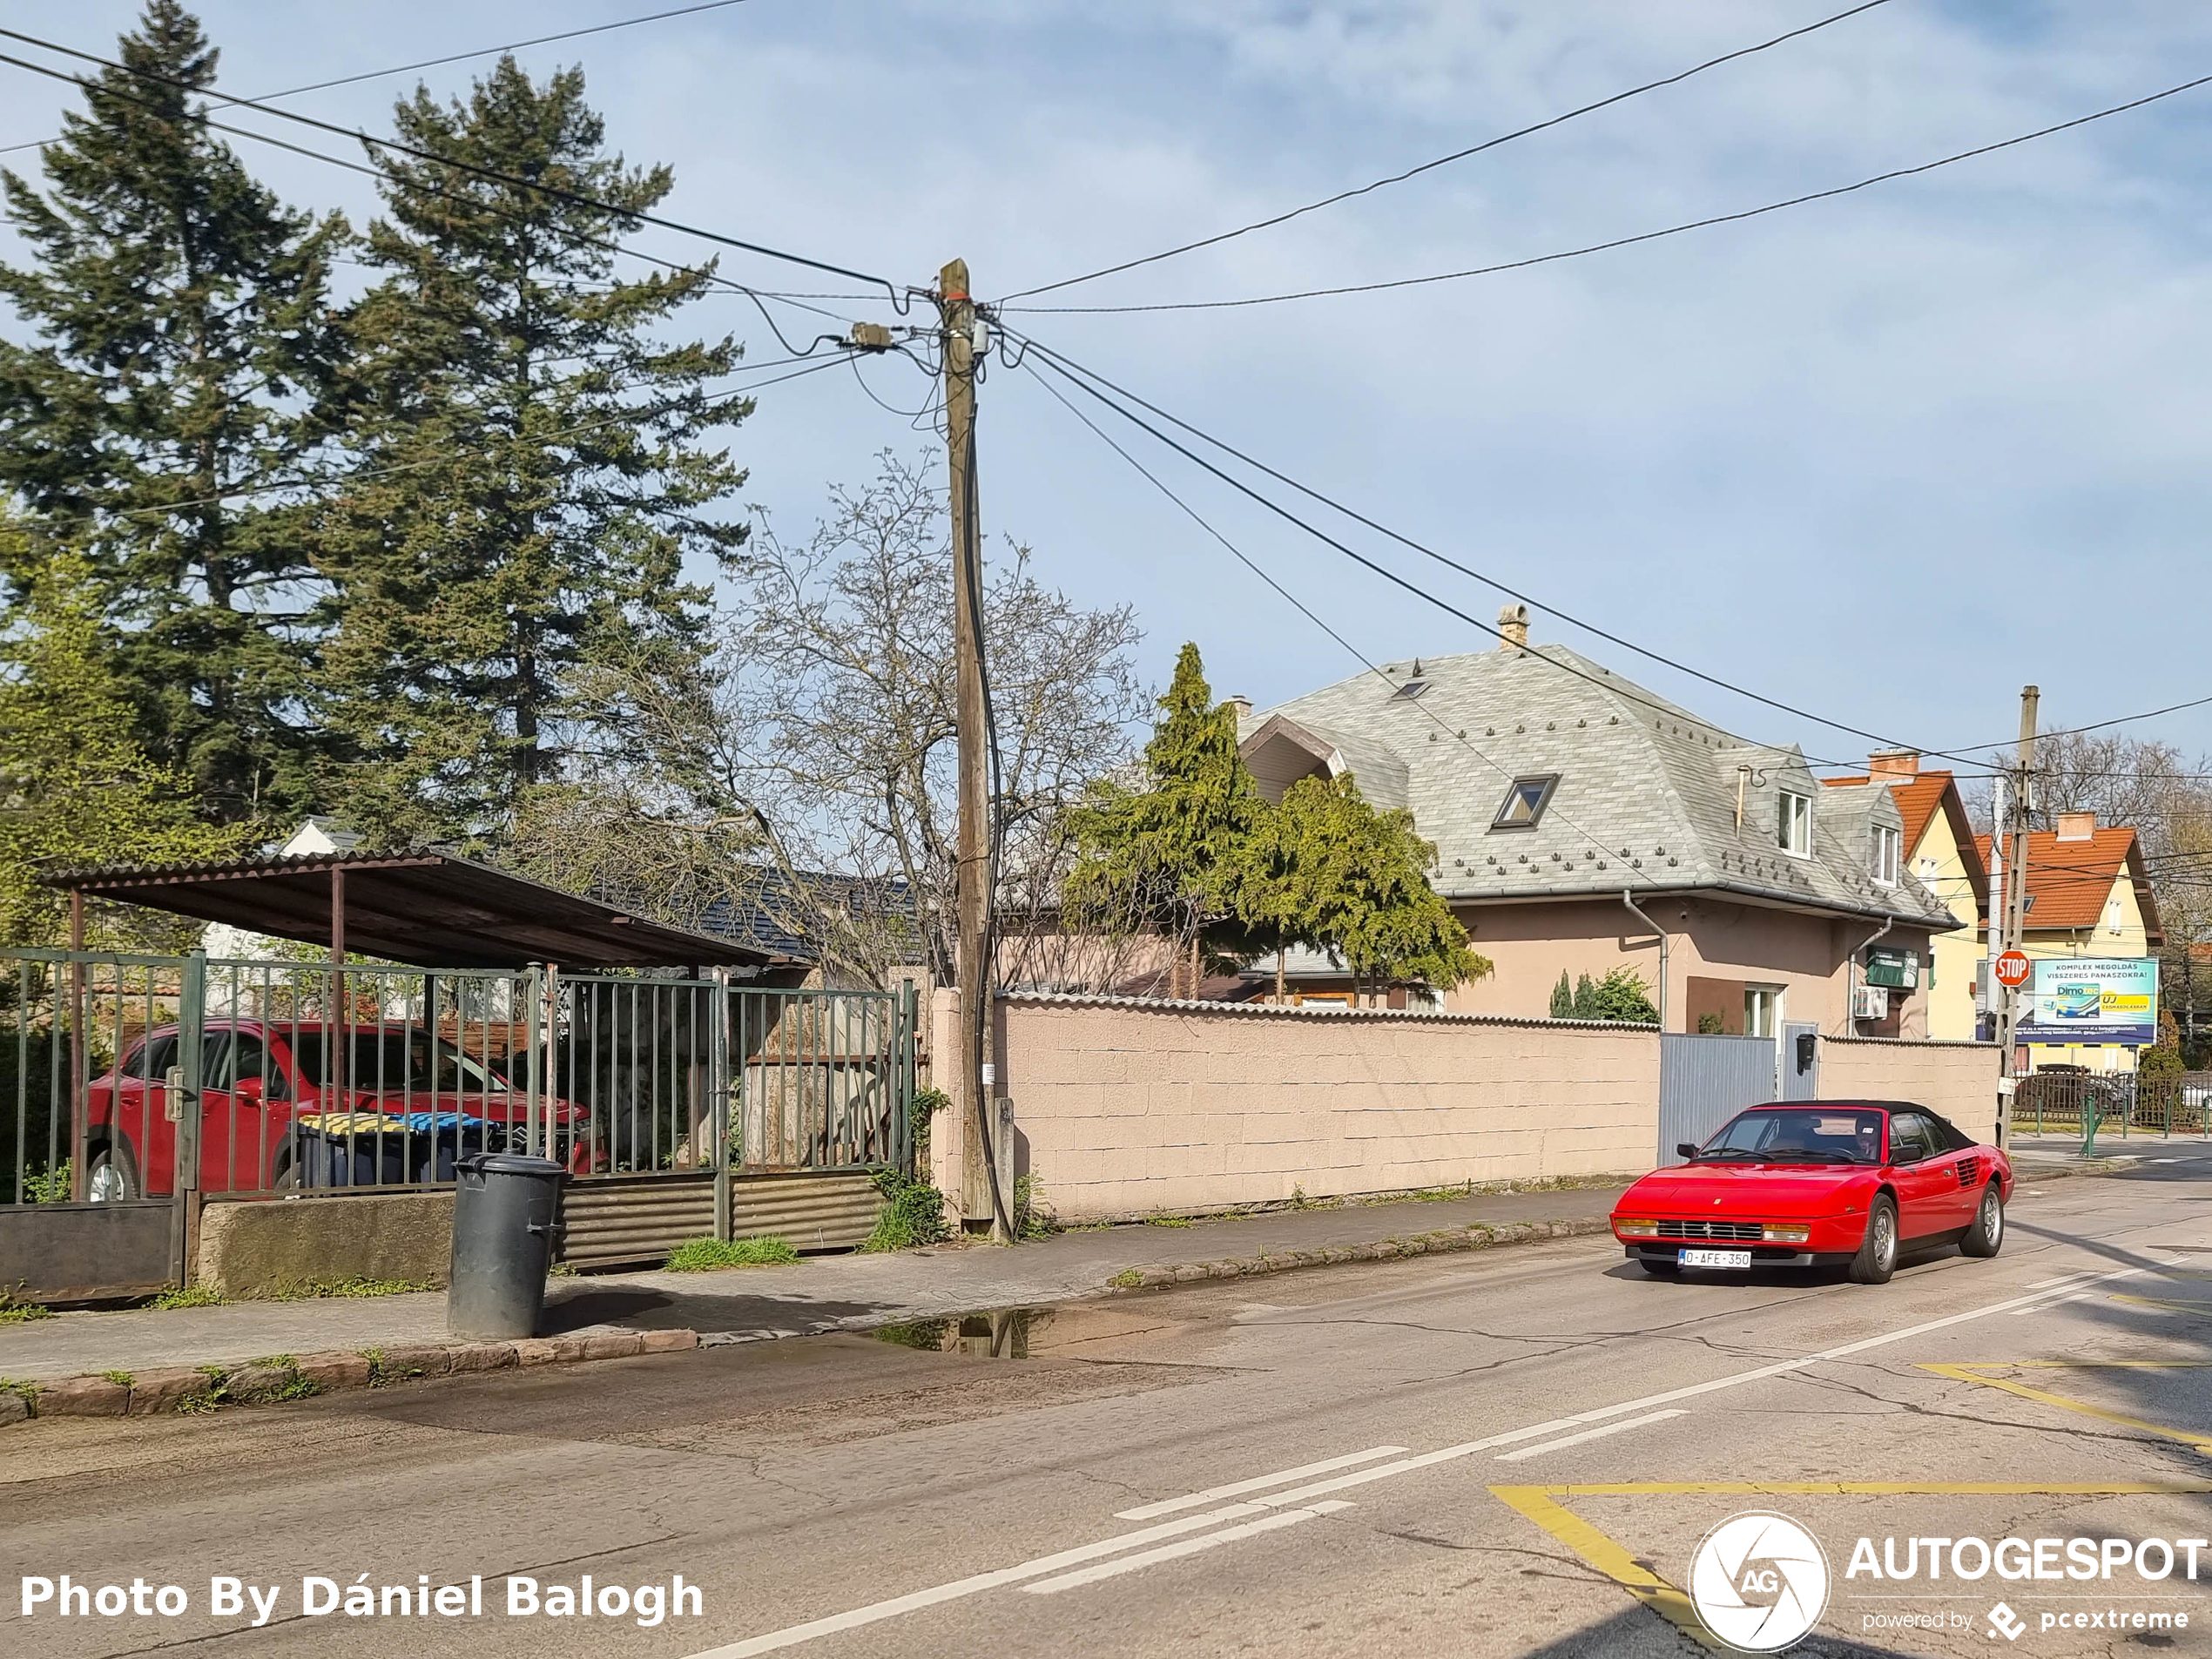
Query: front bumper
{"points": [[1824, 1236], [1762, 1255]]}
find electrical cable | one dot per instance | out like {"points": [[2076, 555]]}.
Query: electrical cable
{"points": [[1063, 365], [517, 181], [455, 57], [1443, 161], [581, 238], [2074, 731], [1628, 241]]}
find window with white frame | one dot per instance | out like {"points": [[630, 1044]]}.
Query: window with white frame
{"points": [[1762, 1010], [1793, 829], [1888, 850]]}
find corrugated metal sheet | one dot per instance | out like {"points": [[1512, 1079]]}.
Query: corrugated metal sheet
{"points": [[625, 1220], [1704, 1081], [618, 1220], [834, 1211]]}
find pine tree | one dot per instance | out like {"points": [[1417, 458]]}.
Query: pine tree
{"points": [[531, 476], [177, 332], [1168, 855], [1586, 1002], [1562, 998], [76, 788]]}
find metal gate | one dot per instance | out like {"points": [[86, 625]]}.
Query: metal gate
{"points": [[134, 1088], [1704, 1081]]}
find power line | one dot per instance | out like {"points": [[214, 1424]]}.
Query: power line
{"points": [[1303, 608], [1645, 236], [581, 238], [2124, 719], [1059, 358], [1617, 688], [513, 180], [1445, 161], [458, 58]]}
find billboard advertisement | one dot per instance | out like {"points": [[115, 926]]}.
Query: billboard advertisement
{"points": [[2091, 999]]}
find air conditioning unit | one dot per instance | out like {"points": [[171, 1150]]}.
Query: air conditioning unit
{"points": [[1869, 1002]]}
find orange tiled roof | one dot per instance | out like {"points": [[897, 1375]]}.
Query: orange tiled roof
{"points": [[2071, 881], [1919, 797]]}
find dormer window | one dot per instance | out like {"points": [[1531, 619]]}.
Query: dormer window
{"points": [[1888, 847], [1793, 827], [1524, 802]]}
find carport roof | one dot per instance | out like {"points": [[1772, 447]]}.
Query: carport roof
{"points": [[425, 909]]}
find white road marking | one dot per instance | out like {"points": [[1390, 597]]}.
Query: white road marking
{"points": [[1587, 1435], [2054, 1302], [1186, 1547], [2063, 1278], [1257, 1483], [1300, 1497]]}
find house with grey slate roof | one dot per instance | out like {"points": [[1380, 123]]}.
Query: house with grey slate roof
{"points": [[1582, 823]]}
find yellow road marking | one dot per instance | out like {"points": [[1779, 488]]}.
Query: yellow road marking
{"points": [[1541, 1505], [2204, 1308], [1972, 1373]]}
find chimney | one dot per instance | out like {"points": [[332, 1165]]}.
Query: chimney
{"points": [[1894, 762], [2077, 826], [1243, 704], [1512, 623]]}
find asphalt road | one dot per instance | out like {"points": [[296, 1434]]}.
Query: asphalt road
{"points": [[1513, 1453]]}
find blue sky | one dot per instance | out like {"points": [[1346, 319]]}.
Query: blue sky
{"points": [[1885, 457]]}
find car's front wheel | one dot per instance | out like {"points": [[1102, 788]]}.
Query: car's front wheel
{"points": [[1986, 1235], [109, 1178], [1877, 1258]]}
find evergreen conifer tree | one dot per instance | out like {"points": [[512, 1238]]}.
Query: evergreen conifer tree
{"points": [[176, 331], [1169, 855], [531, 476], [1562, 998]]}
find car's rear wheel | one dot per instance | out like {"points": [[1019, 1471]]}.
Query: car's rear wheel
{"points": [[1986, 1235], [1877, 1258]]}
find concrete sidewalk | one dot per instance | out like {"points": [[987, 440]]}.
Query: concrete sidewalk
{"points": [[823, 1293]]}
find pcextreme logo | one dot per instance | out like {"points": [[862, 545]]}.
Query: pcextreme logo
{"points": [[1759, 1581]]}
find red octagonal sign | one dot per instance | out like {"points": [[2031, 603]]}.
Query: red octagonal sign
{"points": [[2013, 969]]}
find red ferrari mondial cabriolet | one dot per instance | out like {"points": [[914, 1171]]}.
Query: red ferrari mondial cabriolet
{"points": [[1808, 1182]]}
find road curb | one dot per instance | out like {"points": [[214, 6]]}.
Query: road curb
{"points": [[1444, 1241], [193, 1391]]}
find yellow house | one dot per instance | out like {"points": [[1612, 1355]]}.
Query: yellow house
{"points": [[1940, 848], [2088, 894]]}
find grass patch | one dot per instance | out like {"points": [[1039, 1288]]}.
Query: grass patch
{"points": [[1167, 1221], [1128, 1279], [189, 1296], [315, 1289], [913, 1213], [26, 1391], [23, 1312], [120, 1379], [698, 1255]]}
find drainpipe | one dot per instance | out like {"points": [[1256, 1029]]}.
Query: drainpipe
{"points": [[1851, 972], [1628, 898]]}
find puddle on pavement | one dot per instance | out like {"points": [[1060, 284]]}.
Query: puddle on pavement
{"points": [[1019, 1333]]}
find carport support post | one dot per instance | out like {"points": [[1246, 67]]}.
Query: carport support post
{"points": [[77, 1054], [340, 1042], [192, 1026]]}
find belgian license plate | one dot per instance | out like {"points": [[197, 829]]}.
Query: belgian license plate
{"points": [[1717, 1258]]}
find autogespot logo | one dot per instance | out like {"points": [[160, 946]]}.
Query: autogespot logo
{"points": [[1759, 1581]]}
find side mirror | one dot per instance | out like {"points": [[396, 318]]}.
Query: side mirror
{"points": [[1685, 1149]]}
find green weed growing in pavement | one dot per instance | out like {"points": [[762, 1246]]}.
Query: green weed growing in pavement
{"points": [[23, 1312], [1167, 1221], [314, 1288], [26, 1391], [188, 1296], [698, 1255], [913, 1213], [1128, 1279], [120, 1379], [1032, 1214]]}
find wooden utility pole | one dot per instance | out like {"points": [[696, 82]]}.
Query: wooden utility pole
{"points": [[956, 310]]}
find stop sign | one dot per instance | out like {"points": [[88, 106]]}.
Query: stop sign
{"points": [[2013, 969]]}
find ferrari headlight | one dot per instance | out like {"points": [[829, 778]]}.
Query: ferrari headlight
{"points": [[1785, 1235], [1637, 1229]]}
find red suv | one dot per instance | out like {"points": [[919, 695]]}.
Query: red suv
{"points": [[272, 1118]]}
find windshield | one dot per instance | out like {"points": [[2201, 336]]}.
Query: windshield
{"points": [[392, 1062], [1800, 1136]]}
